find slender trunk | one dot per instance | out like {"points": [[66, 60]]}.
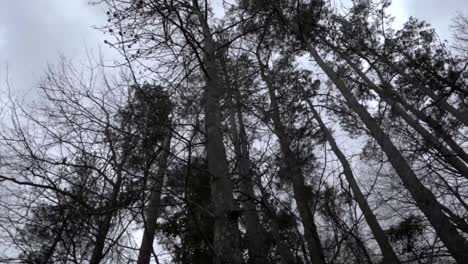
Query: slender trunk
{"points": [[226, 237], [105, 224], [299, 189], [361, 252], [423, 197], [390, 96], [389, 255], [154, 207], [391, 93], [255, 234], [439, 101], [46, 258], [199, 238], [302, 244], [284, 251]]}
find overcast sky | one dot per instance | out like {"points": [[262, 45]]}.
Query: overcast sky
{"points": [[437, 12], [35, 32]]}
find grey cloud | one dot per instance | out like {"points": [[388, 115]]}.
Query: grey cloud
{"points": [[35, 32]]}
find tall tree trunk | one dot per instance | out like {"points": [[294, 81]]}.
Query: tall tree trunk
{"points": [[226, 233], [154, 207], [285, 253], [424, 198], [46, 258], [389, 255], [301, 194], [105, 223], [440, 101], [390, 96], [226, 237], [255, 233]]}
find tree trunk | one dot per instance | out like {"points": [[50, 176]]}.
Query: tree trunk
{"points": [[440, 101], [390, 96], [154, 207], [285, 253], [255, 233], [226, 234], [394, 95], [424, 198], [226, 237], [105, 224], [46, 258], [389, 255], [299, 189]]}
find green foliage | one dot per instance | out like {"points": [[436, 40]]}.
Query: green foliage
{"points": [[407, 231], [191, 228]]}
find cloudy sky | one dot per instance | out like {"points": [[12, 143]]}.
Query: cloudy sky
{"points": [[438, 12], [35, 32]]}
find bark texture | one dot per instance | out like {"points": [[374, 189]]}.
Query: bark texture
{"points": [[226, 239]]}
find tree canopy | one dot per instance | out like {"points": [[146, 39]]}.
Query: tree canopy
{"points": [[289, 131]]}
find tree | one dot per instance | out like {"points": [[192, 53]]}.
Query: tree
{"points": [[293, 163], [205, 49], [273, 132], [460, 32]]}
